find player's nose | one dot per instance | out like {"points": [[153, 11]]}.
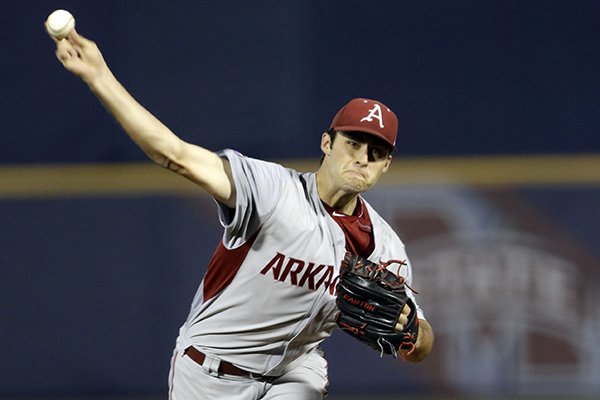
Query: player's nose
{"points": [[361, 155]]}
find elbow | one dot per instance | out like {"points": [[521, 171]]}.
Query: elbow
{"points": [[167, 162], [165, 157]]}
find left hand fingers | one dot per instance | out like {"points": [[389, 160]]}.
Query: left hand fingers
{"points": [[403, 319]]}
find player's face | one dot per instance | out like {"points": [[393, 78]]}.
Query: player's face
{"points": [[355, 161]]}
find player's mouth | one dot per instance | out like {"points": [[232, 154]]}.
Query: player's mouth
{"points": [[357, 174]]}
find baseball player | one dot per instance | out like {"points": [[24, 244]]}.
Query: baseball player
{"points": [[268, 298]]}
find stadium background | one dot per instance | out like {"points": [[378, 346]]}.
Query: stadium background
{"points": [[495, 188]]}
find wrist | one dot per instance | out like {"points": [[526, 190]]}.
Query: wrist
{"points": [[102, 82]]}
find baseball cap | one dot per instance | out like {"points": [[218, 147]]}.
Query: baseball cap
{"points": [[370, 116]]}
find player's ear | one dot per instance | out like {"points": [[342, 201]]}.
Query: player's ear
{"points": [[326, 143], [388, 162]]}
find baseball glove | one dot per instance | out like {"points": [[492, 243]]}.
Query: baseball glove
{"points": [[370, 299]]}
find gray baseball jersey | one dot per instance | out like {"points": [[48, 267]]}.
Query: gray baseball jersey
{"points": [[268, 296]]}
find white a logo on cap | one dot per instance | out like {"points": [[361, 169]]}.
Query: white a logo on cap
{"points": [[375, 112]]}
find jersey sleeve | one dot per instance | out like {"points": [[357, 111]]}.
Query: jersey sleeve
{"points": [[257, 184]]}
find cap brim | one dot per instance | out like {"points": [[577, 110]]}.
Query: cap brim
{"points": [[373, 132]]}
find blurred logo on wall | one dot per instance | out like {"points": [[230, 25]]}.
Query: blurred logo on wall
{"points": [[512, 297]]}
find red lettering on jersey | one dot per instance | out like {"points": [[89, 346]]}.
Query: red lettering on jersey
{"points": [[275, 264], [333, 286], [293, 274], [309, 275], [326, 278], [288, 269]]}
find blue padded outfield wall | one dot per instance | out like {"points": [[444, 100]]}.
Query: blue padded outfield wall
{"points": [[495, 188], [266, 77]]}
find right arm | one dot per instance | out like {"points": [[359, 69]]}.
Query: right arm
{"points": [[203, 167]]}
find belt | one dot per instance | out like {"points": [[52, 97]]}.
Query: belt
{"points": [[224, 367]]}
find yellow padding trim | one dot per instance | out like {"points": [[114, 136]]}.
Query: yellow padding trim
{"points": [[36, 181]]}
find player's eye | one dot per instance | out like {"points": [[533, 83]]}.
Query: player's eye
{"points": [[352, 143], [378, 153]]}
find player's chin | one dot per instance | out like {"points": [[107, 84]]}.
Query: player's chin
{"points": [[357, 186]]}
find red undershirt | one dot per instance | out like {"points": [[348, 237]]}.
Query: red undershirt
{"points": [[357, 228]]}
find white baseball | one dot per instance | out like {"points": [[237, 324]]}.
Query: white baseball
{"points": [[60, 23]]}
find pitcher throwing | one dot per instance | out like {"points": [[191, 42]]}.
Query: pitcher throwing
{"points": [[268, 298]]}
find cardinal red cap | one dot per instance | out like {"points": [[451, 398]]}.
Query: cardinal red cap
{"points": [[370, 116]]}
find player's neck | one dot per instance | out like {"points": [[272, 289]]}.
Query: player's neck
{"points": [[342, 205], [334, 197]]}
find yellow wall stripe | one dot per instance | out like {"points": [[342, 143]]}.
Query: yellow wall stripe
{"points": [[39, 181]]}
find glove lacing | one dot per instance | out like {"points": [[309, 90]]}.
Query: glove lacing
{"points": [[408, 338], [404, 354], [384, 264], [382, 350]]}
